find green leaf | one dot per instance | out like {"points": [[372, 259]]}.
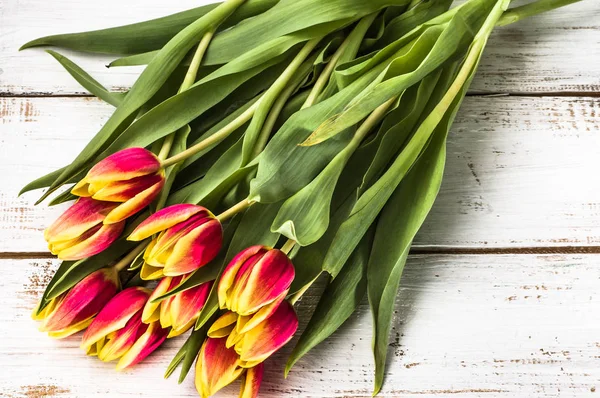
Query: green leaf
{"points": [[436, 45], [145, 36], [188, 353], [285, 167], [253, 230], [339, 300], [148, 83], [86, 81], [66, 196]]}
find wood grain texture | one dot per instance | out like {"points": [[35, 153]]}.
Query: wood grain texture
{"points": [[548, 53], [521, 172], [465, 326]]}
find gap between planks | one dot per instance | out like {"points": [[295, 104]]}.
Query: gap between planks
{"points": [[434, 250]]}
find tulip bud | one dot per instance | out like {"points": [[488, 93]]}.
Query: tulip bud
{"points": [[218, 366], [256, 344], [118, 332], [132, 177], [79, 232], [180, 311], [190, 237], [257, 278], [75, 310]]}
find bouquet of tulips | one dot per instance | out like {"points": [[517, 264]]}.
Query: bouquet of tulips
{"points": [[266, 144]]}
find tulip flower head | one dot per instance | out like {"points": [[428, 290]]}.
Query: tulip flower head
{"points": [[178, 312], [74, 310], [189, 237], [218, 366], [254, 345], [132, 178], [80, 231], [258, 278], [118, 332]]}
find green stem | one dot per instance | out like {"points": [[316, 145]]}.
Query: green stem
{"points": [[215, 138], [126, 261], [294, 299], [235, 209], [323, 79], [288, 246], [537, 7], [280, 85], [188, 81]]}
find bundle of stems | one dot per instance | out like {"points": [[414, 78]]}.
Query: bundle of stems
{"points": [[316, 126]]}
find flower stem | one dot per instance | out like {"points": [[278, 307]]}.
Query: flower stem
{"points": [[323, 79], [288, 246], [126, 261], [282, 82], [294, 299], [188, 81], [235, 209], [215, 138]]}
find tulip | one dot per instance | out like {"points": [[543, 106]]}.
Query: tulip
{"points": [[189, 237], [180, 311], [132, 178], [79, 232], [74, 310], [256, 344], [118, 332], [258, 278], [218, 366]]}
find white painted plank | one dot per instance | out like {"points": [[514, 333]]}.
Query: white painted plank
{"points": [[521, 171], [468, 326], [553, 52]]}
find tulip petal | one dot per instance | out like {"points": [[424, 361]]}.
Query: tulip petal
{"points": [[124, 165], [251, 382], [151, 311], [115, 315], [152, 338], [83, 301], [165, 218], [123, 339], [77, 219], [230, 272], [196, 249], [122, 191], [217, 366], [135, 204], [262, 314], [150, 273], [223, 326], [71, 330], [94, 244], [185, 307], [269, 336], [262, 283]]}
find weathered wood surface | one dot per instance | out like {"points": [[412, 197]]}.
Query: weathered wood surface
{"points": [[521, 171], [548, 53], [467, 326]]}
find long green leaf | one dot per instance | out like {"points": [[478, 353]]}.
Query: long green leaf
{"points": [[145, 36], [87, 81]]}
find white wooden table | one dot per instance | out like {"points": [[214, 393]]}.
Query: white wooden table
{"points": [[500, 298]]}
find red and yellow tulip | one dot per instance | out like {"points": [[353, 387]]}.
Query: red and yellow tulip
{"points": [[258, 278], [132, 178], [189, 237], [75, 310], [254, 345], [80, 231], [118, 332], [218, 366], [178, 312]]}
